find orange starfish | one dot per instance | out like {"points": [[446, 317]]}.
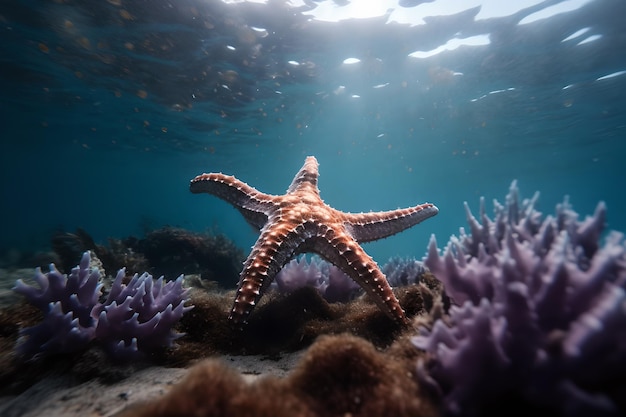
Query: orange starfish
{"points": [[299, 221]]}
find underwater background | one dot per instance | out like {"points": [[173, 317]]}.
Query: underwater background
{"points": [[109, 108]]}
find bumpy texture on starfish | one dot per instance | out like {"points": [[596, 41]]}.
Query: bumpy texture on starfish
{"points": [[299, 221]]}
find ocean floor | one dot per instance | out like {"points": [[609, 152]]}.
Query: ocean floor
{"points": [[299, 355], [57, 394]]}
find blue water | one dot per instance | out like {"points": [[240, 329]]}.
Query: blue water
{"points": [[109, 108]]}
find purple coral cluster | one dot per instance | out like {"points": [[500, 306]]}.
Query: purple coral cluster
{"points": [[403, 271], [333, 284], [330, 281], [542, 315], [135, 317]]}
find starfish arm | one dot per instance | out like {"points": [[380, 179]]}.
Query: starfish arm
{"points": [[366, 227], [346, 254], [306, 178], [253, 204], [273, 249]]}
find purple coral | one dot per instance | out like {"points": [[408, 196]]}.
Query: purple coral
{"points": [[135, 317], [330, 281], [542, 317], [403, 271], [300, 273], [140, 315], [333, 284], [66, 302]]}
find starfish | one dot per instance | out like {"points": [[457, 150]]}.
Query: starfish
{"points": [[298, 222]]}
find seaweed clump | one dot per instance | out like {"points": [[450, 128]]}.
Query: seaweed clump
{"points": [[168, 251], [171, 251], [290, 322], [338, 376]]}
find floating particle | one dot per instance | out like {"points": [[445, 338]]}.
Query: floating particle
{"points": [[142, 93], [229, 76], [84, 42], [43, 48], [126, 15]]}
